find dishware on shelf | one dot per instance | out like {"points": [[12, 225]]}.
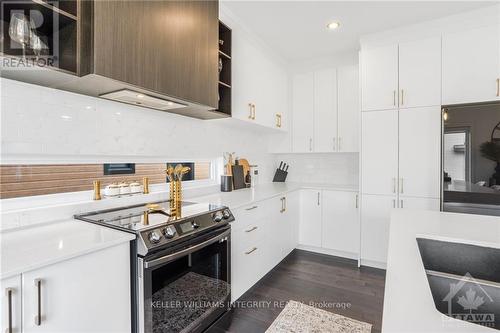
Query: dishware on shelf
{"points": [[221, 66], [19, 30]]}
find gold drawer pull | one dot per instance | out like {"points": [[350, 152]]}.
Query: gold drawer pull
{"points": [[252, 250], [251, 229], [251, 208]]}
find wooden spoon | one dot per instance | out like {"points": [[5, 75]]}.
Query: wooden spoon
{"points": [[184, 170], [177, 171], [170, 172]]}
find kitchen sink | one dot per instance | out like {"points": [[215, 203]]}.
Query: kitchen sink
{"points": [[464, 280]]}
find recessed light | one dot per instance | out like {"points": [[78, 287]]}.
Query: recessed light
{"points": [[333, 25], [140, 96], [170, 103]]}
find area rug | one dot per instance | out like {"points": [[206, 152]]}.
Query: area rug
{"points": [[297, 317]]}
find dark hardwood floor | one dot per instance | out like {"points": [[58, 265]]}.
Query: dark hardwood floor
{"points": [[309, 277]]}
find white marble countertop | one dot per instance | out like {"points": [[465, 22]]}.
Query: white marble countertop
{"points": [[408, 303], [244, 197], [27, 249]]}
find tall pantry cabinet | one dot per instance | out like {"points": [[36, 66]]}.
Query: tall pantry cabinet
{"points": [[400, 140]]}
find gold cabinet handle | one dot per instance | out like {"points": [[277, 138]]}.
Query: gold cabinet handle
{"points": [[394, 97], [278, 120], [402, 96], [250, 106], [253, 108], [252, 250]]}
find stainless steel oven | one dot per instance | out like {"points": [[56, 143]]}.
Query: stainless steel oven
{"points": [[186, 287], [180, 265]]}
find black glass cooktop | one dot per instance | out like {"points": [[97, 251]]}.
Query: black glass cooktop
{"points": [[132, 218]]}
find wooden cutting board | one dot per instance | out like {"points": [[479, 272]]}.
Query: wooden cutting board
{"points": [[246, 166]]}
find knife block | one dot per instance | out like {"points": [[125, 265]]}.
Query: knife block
{"points": [[280, 176]]}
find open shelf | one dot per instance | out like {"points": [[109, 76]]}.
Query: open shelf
{"points": [[225, 72], [224, 55], [224, 84], [67, 8], [58, 30]]}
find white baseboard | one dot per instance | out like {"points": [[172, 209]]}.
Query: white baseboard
{"points": [[374, 264], [348, 255]]}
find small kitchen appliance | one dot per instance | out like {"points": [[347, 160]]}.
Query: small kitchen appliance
{"points": [[181, 265]]}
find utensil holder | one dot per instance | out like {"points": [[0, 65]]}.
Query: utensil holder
{"points": [[175, 198], [280, 176]]}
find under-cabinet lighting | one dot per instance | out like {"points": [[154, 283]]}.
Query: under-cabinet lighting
{"points": [[140, 96]]}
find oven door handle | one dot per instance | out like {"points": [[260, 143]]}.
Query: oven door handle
{"points": [[176, 255]]}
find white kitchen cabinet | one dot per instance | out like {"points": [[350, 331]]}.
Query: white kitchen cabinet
{"points": [[348, 108], [310, 218], [246, 263], [471, 65], [420, 152], [375, 222], [379, 78], [420, 203], [259, 83], [325, 110], [303, 109], [11, 296], [292, 215], [379, 152], [340, 226], [420, 73], [261, 236], [90, 293]]}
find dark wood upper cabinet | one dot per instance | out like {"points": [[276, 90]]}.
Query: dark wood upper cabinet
{"points": [[169, 47], [165, 50]]}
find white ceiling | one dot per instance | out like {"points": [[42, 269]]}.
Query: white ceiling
{"points": [[297, 29]]}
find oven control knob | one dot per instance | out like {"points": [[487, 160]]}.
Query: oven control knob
{"points": [[169, 232], [218, 217], [154, 237], [195, 225], [226, 214]]}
